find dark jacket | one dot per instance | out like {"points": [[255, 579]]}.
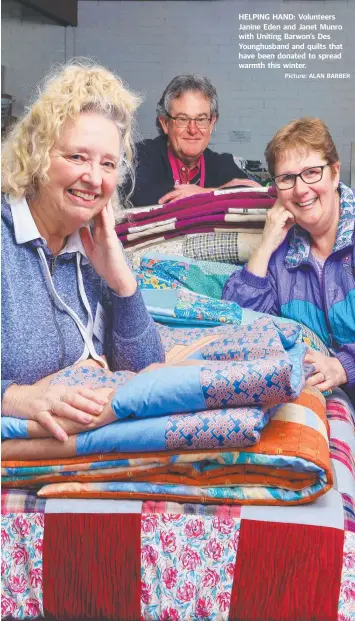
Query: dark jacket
{"points": [[154, 177]]}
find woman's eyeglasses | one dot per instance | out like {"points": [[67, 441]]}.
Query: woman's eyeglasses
{"points": [[183, 121], [309, 176]]}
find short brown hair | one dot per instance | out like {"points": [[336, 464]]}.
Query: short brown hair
{"points": [[306, 134]]}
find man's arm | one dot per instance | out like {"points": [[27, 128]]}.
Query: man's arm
{"points": [[153, 175], [221, 172], [222, 169]]}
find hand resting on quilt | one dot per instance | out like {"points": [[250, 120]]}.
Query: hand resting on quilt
{"points": [[328, 371], [42, 439], [188, 189], [99, 404], [54, 410]]}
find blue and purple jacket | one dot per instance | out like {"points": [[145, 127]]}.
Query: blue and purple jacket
{"points": [[292, 288]]}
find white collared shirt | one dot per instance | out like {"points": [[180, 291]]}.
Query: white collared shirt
{"points": [[26, 229]]}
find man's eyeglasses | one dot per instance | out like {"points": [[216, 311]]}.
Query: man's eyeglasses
{"points": [[202, 122], [309, 176]]}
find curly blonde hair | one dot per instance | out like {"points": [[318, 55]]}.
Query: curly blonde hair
{"points": [[78, 87]]}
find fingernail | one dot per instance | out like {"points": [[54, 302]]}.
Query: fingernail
{"points": [[87, 418], [103, 401], [63, 436], [97, 410]]}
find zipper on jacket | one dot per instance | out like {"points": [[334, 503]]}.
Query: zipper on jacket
{"points": [[327, 321], [322, 287]]}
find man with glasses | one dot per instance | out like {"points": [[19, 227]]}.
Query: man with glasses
{"points": [[178, 162]]}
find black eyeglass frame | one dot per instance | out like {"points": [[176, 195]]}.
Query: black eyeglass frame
{"points": [[206, 118], [294, 175]]}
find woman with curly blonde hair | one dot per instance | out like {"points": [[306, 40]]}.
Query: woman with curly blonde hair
{"points": [[68, 292]]}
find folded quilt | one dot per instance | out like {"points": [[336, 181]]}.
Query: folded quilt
{"points": [[221, 227], [257, 364], [222, 212], [233, 248], [172, 289], [170, 271], [260, 364], [171, 246], [194, 225], [224, 247], [217, 201], [289, 465], [191, 558], [191, 456], [202, 213]]}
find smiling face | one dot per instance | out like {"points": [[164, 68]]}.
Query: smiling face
{"points": [[83, 170], [314, 206], [187, 143]]}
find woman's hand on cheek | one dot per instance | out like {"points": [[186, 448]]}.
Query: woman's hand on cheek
{"points": [[278, 223], [328, 371], [105, 253]]}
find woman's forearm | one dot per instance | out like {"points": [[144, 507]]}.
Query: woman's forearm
{"points": [[259, 261], [71, 427], [14, 401], [42, 448]]}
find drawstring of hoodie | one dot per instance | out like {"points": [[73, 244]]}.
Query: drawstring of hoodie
{"points": [[86, 332]]}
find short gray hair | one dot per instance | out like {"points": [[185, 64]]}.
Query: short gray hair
{"points": [[182, 84]]}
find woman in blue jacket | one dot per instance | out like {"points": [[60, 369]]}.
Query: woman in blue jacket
{"points": [[304, 268], [68, 294]]}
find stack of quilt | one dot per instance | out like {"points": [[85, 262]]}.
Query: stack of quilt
{"points": [[224, 490], [227, 420], [241, 211]]}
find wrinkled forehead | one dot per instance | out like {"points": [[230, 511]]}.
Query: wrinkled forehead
{"points": [[297, 158], [190, 103], [89, 129]]}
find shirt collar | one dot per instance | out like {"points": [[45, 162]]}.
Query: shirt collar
{"points": [[182, 168], [299, 245], [26, 230]]}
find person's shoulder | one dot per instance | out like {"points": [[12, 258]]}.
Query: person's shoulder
{"points": [[347, 209], [7, 226], [4, 200], [347, 195], [5, 210], [151, 145], [220, 162], [217, 156]]}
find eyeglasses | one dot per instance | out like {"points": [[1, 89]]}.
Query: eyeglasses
{"points": [[183, 121], [309, 176]]}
